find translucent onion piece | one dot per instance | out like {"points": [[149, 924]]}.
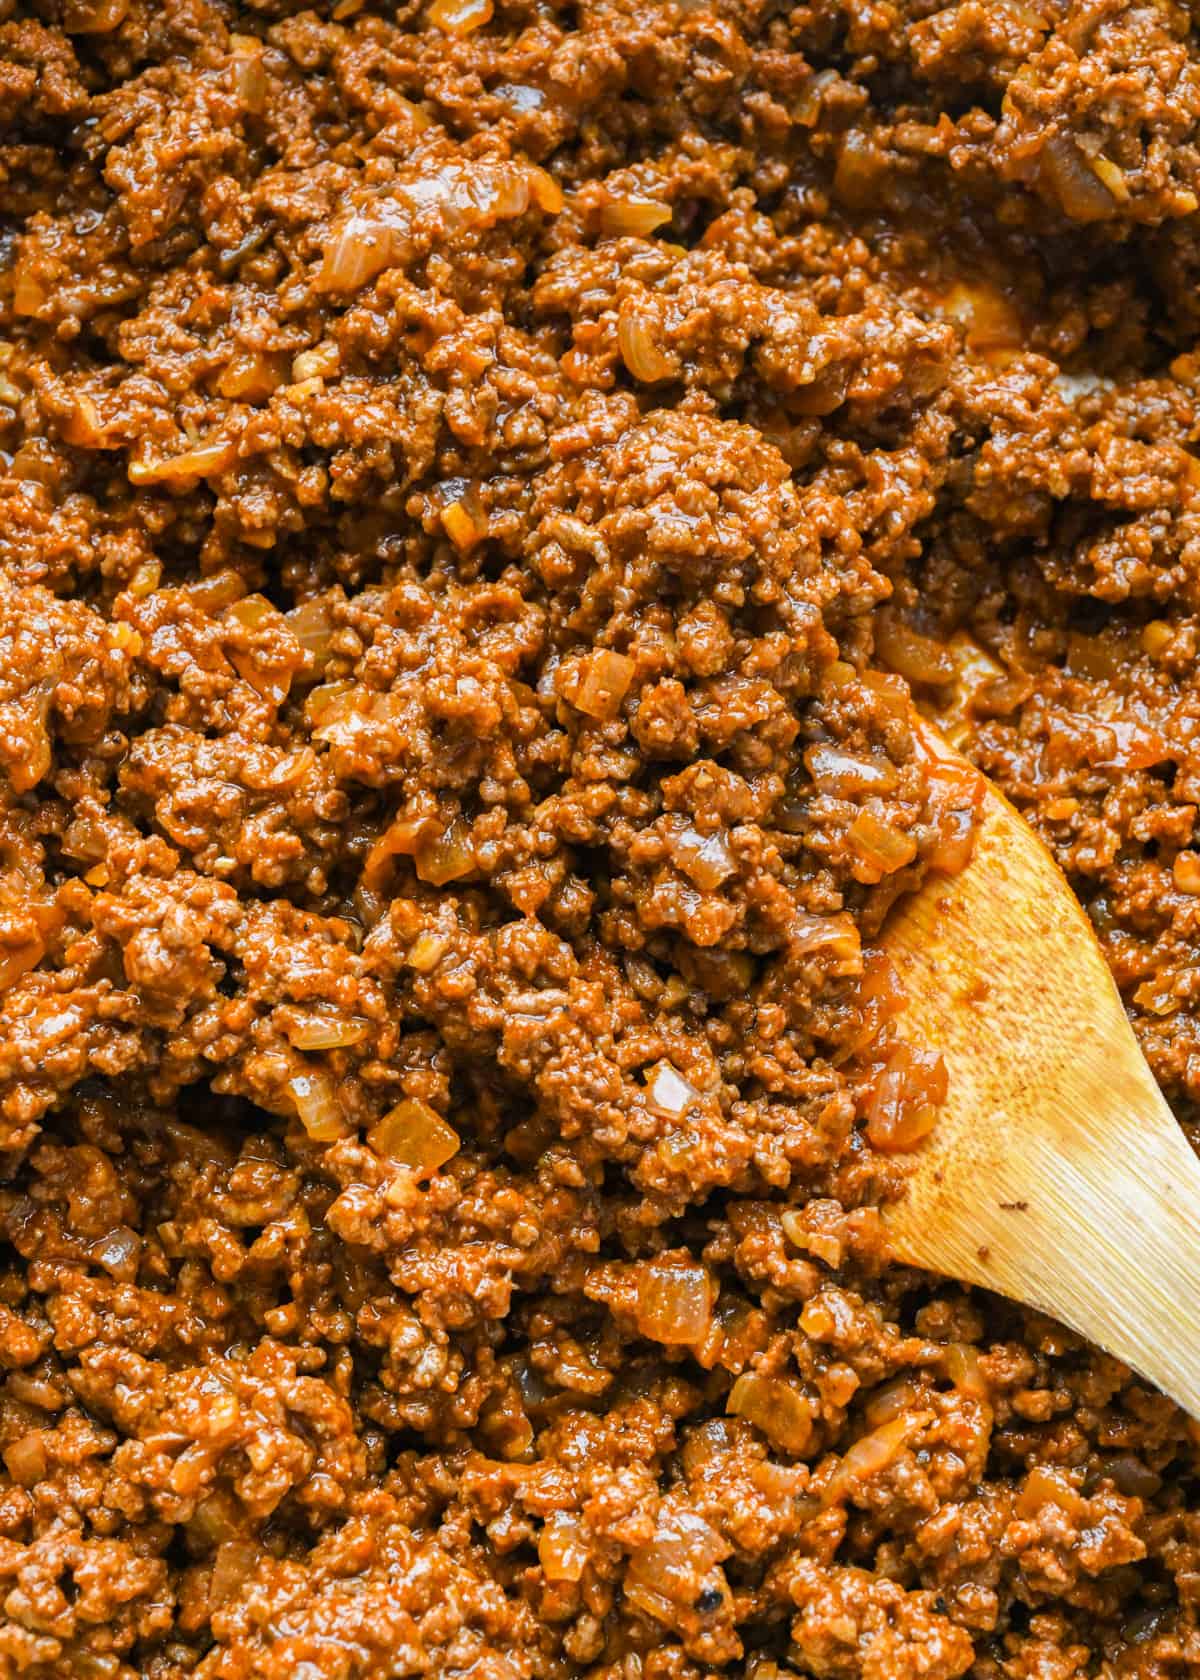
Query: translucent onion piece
{"points": [[908, 1094], [836, 934], [882, 848], [891, 1399], [318, 1032], [26, 1458], [1186, 872], [358, 250], [85, 427], [988, 319], [426, 952], [249, 76], [331, 703], [415, 1136], [254, 612], [668, 1092], [1072, 180], [547, 193], [778, 1407], [704, 858], [683, 1550], [869, 1455], [891, 692], [859, 171], [250, 376], [965, 1371], [312, 625], [562, 1548], [639, 352], [447, 856], [1047, 1486], [317, 1106], [460, 526], [674, 1302], [600, 682], [844, 774], [28, 295], [118, 1251], [16, 960], [205, 460], [637, 216], [210, 594], [460, 17], [917, 658], [145, 579], [234, 1564]]}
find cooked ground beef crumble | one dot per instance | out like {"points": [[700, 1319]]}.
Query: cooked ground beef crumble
{"points": [[482, 485]]}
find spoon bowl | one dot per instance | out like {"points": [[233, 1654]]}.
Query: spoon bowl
{"points": [[1056, 1175]]}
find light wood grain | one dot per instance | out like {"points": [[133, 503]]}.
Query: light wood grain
{"points": [[1057, 1174]]}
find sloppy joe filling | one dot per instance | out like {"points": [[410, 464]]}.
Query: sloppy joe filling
{"points": [[483, 486]]}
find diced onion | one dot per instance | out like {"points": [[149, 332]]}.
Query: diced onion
{"points": [[118, 1251], [869, 1455], [16, 960], [415, 1136], [890, 691], [460, 17], [682, 1551], [357, 251], [917, 658], [1047, 1486], [908, 1094], [146, 579], [234, 1565], [597, 683], [674, 1302], [255, 612], [882, 848], [639, 352], [426, 952], [637, 216], [562, 1548], [836, 934], [704, 858], [206, 460], [460, 526], [317, 1106], [859, 171], [964, 1369], [312, 625], [891, 1400], [210, 594], [26, 1459], [776, 1406], [1186, 872], [322, 361], [331, 703], [547, 193], [844, 774], [1073, 182], [447, 856], [668, 1092], [318, 1032]]}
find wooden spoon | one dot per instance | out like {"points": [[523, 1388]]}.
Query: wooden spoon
{"points": [[1056, 1174]]}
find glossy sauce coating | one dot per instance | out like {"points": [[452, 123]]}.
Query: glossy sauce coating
{"points": [[481, 486]]}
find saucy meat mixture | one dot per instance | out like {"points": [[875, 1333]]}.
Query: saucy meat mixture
{"points": [[483, 483]]}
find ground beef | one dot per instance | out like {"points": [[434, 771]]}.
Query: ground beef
{"points": [[482, 487]]}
